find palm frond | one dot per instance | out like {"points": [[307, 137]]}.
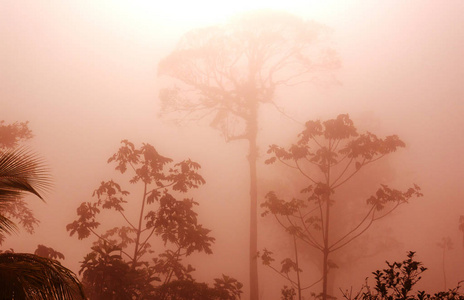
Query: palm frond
{"points": [[30, 277], [6, 225], [22, 171]]}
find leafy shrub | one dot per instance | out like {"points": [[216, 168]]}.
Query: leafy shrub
{"points": [[397, 282]]}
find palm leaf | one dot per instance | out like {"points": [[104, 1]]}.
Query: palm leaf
{"points": [[6, 225], [20, 171], [28, 276]]}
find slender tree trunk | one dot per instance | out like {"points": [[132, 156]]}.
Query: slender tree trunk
{"points": [[331, 281], [325, 268], [139, 229], [297, 268], [325, 272], [443, 263], [252, 159]]}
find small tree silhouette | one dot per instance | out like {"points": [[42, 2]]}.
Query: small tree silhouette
{"points": [[446, 244], [118, 266], [328, 154]]}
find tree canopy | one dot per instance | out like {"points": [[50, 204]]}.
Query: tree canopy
{"points": [[142, 256], [328, 155], [223, 71]]}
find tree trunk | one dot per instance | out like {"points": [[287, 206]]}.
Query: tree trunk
{"points": [[252, 159], [325, 268], [325, 272], [139, 228], [297, 268], [326, 251], [443, 263]]}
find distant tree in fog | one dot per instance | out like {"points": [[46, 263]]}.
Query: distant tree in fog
{"points": [[328, 154], [25, 275], [224, 74], [12, 134], [142, 257], [461, 227], [446, 244]]}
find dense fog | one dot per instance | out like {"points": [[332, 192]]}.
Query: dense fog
{"points": [[84, 74]]}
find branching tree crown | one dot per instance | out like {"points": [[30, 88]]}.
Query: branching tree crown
{"points": [[224, 71], [328, 154], [121, 261]]}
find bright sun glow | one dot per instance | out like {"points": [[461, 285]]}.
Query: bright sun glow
{"points": [[211, 10], [181, 14]]}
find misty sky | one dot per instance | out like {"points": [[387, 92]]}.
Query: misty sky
{"points": [[84, 74]]}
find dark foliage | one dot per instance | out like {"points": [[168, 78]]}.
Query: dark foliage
{"points": [[124, 263], [107, 276], [48, 252], [11, 135], [225, 288], [23, 275], [396, 282], [28, 276]]}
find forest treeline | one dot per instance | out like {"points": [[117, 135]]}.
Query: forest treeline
{"points": [[221, 75], [118, 264]]}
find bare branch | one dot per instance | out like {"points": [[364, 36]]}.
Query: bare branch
{"points": [[128, 222], [355, 228], [355, 236], [302, 172], [313, 284]]}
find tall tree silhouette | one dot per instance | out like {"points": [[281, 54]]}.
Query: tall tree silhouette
{"points": [[328, 155], [224, 73]]}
